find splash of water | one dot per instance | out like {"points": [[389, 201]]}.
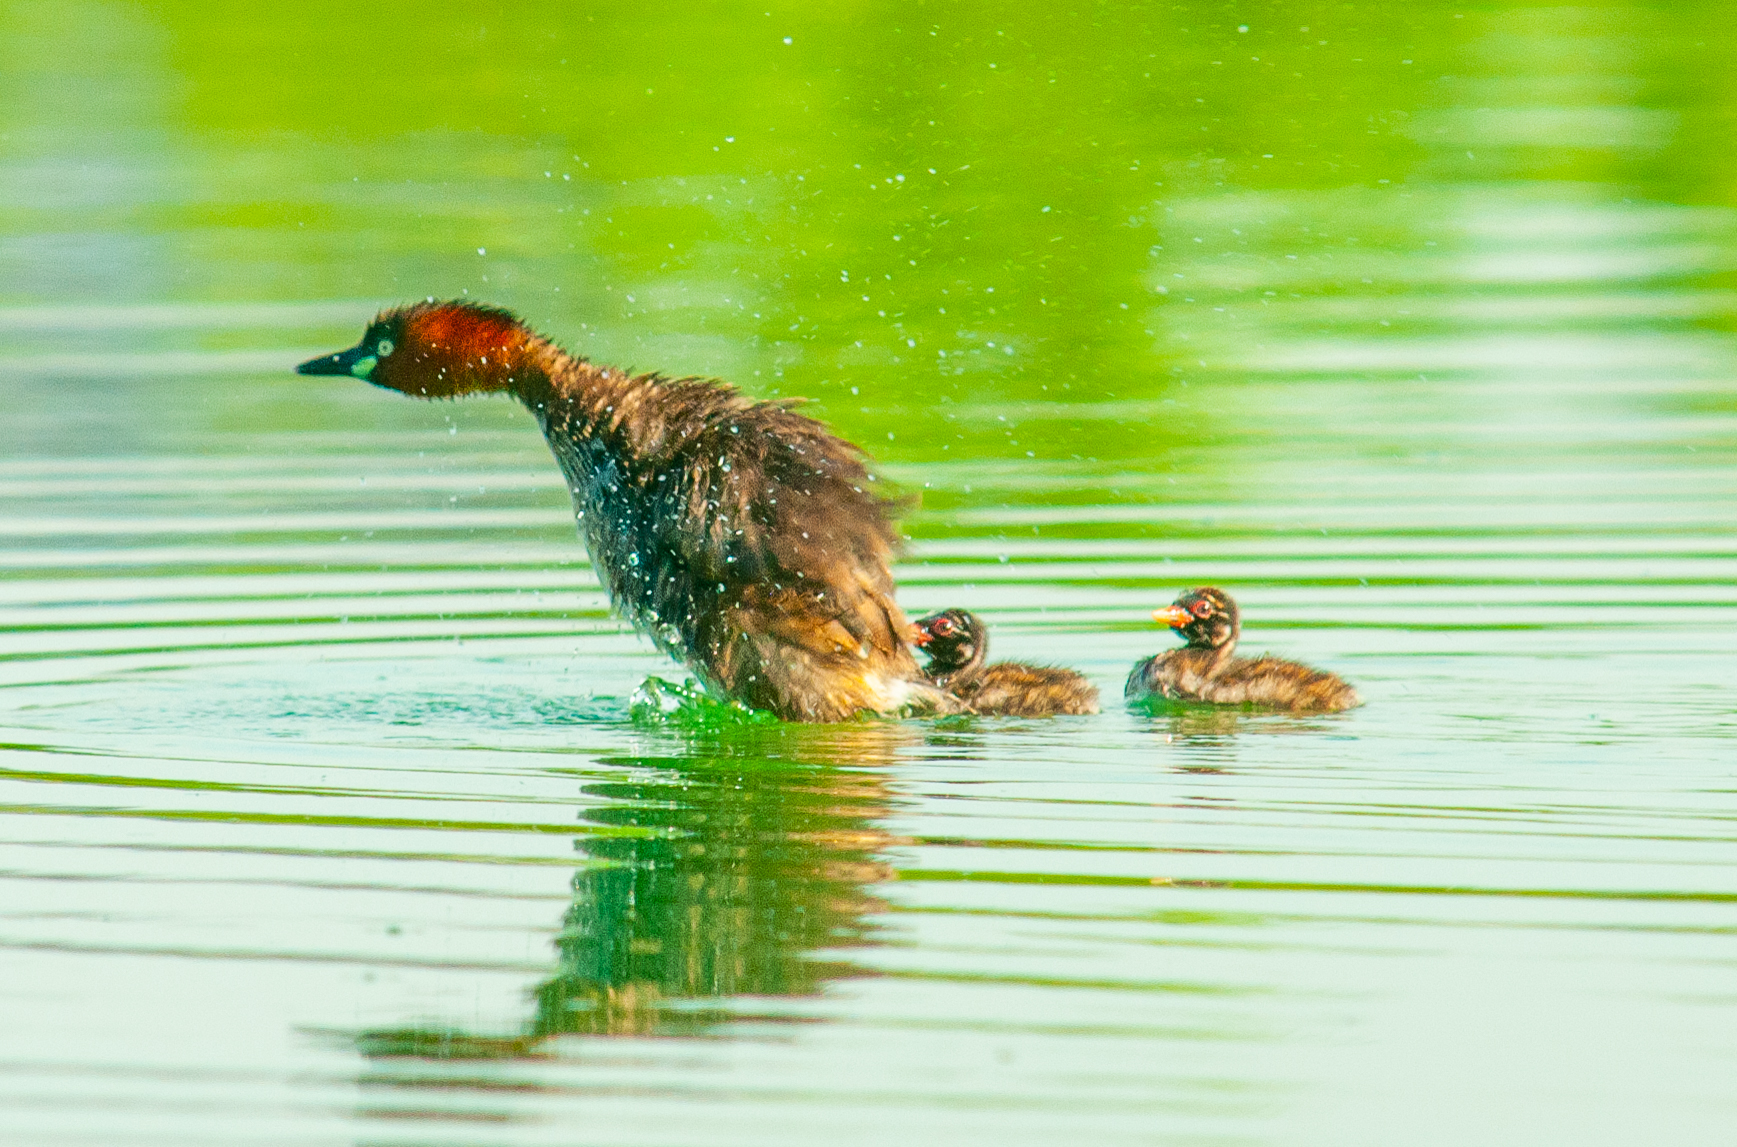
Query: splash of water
{"points": [[660, 702]]}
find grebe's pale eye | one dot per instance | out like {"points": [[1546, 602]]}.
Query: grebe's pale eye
{"points": [[384, 347]]}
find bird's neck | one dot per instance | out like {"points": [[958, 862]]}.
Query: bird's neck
{"points": [[958, 670], [604, 426], [1212, 659], [576, 397]]}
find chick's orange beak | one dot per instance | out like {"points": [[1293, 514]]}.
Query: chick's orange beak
{"points": [[920, 636], [1173, 615]]}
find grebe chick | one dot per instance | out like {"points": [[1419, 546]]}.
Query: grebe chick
{"points": [[958, 644], [1206, 669], [746, 540]]}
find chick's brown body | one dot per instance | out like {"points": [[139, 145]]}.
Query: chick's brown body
{"points": [[1014, 689], [1261, 682], [1207, 669], [744, 538], [957, 643]]}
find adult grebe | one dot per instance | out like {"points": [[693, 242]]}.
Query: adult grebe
{"points": [[746, 540]]}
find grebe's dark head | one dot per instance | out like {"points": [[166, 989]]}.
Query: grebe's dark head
{"points": [[435, 350], [954, 639], [1205, 617]]}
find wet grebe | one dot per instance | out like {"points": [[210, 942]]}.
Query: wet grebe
{"points": [[957, 644], [1206, 670], [745, 539]]}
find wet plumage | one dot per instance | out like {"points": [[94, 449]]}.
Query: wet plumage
{"points": [[1206, 669], [957, 645], [745, 539]]}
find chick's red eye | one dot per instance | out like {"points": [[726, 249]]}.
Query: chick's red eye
{"points": [[942, 627], [1202, 609]]}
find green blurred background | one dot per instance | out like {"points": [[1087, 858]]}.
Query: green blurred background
{"points": [[921, 215]]}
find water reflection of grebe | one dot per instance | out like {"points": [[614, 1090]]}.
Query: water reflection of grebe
{"points": [[1207, 726], [1206, 669], [756, 865], [745, 539], [957, 644], [748, 855]]}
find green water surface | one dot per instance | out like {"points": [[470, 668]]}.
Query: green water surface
{"points": [[324, 817]]}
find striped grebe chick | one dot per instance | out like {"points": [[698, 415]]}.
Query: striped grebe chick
{"points": [[957, 644], [1206, 669], [745, 539]]}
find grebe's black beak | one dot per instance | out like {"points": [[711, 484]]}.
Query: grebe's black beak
{"points": [[357, 362]]}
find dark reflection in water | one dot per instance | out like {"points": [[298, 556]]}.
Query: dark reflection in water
{"points": [[1200, 722], [1207, 734], [757, 851]]}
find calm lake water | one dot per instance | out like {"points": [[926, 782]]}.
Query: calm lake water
{"points": [[324, 818]]}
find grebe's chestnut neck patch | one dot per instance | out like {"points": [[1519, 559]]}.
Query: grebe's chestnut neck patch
{"points": [[438, 350]]}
